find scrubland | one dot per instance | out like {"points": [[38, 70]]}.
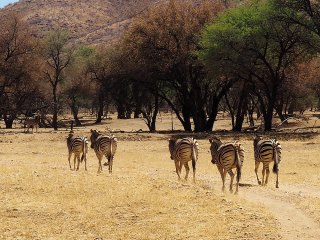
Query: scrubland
{"points": [[41, 198]]}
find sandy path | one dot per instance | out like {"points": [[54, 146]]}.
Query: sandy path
{"points": [[294, 223]]}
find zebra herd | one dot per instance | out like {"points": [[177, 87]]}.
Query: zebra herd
{"points": [[226, 156], [103, 145]]}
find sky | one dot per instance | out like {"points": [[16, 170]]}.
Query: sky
{"points": [[4, 3]]}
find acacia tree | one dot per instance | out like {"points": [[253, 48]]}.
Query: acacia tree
{"points": [[308, 13], [57, 55], [18, 81], [236, 100], [76, 88], [254, 43], [162, 43], [103, 69], [305, 88]]}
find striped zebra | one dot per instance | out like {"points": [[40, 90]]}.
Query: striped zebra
{"points": [[182, 151], [32, 123], [266, 151], [103, 145], [77, 145], [227, 156]]}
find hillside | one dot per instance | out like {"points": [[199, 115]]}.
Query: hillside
{"points": [[88, 21]]}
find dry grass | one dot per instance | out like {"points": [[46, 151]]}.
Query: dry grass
{"points": [[40, 198]]}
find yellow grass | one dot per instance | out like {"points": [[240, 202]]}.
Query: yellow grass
{"points": [[40, 198]]}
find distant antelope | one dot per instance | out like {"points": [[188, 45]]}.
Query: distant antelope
{"points": [[227, 156], [104, 145], [77, 145], [182, 151], [32, 123], [267, 151]]}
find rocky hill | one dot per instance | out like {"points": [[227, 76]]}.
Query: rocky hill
{"points": [[88, 21]]}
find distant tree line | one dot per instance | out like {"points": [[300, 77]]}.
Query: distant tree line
{"points": [[195, 57]]}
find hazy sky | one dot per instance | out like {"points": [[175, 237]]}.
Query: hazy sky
{"points": [[4, 3]]}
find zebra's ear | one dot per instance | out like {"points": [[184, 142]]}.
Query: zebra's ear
{"points": [[91, 130], [210, 140]]}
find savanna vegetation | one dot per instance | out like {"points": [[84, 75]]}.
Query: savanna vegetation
{"points": [[189, 66], [253, 58]]}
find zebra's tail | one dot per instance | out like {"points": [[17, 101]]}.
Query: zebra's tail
{"points": [[111, 149], [238, 161], [194, 154], [275, 168], [84, 149]]}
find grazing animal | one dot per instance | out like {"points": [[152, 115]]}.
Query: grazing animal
{"points": [[103, 145], [182, 151], [32, 123], [227, 156], [266, 151], [77, 145]]}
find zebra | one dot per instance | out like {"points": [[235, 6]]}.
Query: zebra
{"points": [[182, 151], [103, 145], [32, 123], [266, 151], [77, 145], [227, 156]]}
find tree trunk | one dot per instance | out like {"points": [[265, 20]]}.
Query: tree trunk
{"points": [[75, 110], [240, 118], [121, 111], [155, 113], [8, 121], [250, 116], [186, 118], [55, 108], [136, 113], [242, 108], [269, 114], [268, 121], [279, 110], [100, 107], [213, 114], [199, 119]]}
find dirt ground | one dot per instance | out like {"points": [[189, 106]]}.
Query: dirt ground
{"points": [[40, 198]]}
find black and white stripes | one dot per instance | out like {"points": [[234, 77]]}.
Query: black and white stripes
{"points": [[182, 151], [77, 145], [267, 151], [103, 145], [227, 156]]}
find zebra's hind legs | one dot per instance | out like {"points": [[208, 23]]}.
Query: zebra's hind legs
{"points": [[231, 181], [256, 171], [187, 171], [178, 169], [110, 163]]}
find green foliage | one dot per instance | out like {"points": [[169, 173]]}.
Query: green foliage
{"points": [[85, 52], [56, 41], [257, 43], [306, 102], [242, 35]]}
